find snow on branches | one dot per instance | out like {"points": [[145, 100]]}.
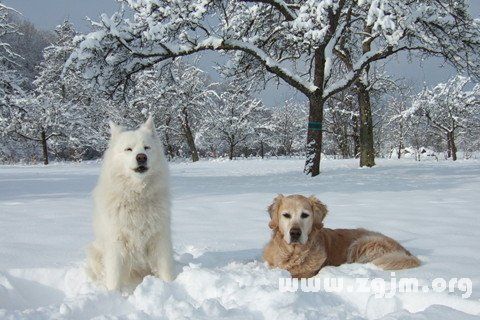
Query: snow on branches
{"points": [[282, 40], [233, 120], [449, 109]]}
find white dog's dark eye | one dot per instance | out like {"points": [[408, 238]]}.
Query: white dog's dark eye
{"points": [[287, 215], [304, 215], [146, 147], [128, 149]]}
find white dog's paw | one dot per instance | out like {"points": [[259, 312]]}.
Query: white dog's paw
{"points": [[112, 288], [165, 275], [112, 285], [168, 277]]}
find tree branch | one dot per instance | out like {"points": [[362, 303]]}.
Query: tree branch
{"points": [[280, 5]]}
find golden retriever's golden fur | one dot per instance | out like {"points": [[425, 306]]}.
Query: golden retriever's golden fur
{"points": [[301, 245]]}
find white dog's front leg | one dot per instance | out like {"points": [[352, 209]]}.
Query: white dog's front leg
{"points": [[113, 265], [162, 259]]}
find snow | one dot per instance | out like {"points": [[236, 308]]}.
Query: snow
{"points": [[213, 42], [219, 229]]}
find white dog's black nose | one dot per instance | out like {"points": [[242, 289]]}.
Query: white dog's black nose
{"points": [[295, 234], [141, 158]]}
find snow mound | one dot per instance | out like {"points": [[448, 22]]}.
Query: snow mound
{"points": [[235, 290]]}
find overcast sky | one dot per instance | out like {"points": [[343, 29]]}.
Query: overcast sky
{"points": [[46, 14]]}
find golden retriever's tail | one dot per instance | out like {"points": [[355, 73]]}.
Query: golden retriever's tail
{"points": [[382, 251], [396, 260]]}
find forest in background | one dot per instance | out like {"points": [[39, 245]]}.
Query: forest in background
{"points": [[59, 89]]}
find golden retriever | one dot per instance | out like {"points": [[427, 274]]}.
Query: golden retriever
{"points": [[301, 245]]}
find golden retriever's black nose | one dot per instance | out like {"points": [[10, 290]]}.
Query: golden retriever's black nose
{"points": [[141, 158], [295, 234]]}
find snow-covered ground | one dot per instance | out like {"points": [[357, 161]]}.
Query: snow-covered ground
{"points": [[219, 229]]}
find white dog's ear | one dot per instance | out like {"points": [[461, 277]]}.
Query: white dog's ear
{"points": [[114, 129], [273, 211], [319, 211], [148, 125]]}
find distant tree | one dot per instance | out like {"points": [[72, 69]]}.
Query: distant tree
{"points": [[29, 43], [397, 125], [36, 124], [11, 82], [288, 122], [179, 94], [50, 106], [447, 108], [234, 119], [50, 83], [150, 97], [264, 132], [341, 124], [56, 113]]}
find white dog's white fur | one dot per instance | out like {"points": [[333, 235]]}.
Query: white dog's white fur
{"points": [[131, 212]]}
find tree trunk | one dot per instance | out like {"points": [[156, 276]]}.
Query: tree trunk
{"points": [[367, 151], [187, 131], [214, 152], [191, 143], [288, 149], [400, 141], [44, 147], [230, 154], [262, 153], [343, 147], [449, 146], [169, 147], [452, 148], [314, 136], [315, 117], [356, 141]]}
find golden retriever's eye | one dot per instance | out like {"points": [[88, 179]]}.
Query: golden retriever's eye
{"points": [[287, 215], [128, 149], [146, 147], [304, 215]]}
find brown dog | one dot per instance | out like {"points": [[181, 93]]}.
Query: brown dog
{"points": [[301, 245]]}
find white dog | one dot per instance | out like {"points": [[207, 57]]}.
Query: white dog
{"points": [[131, 211]]}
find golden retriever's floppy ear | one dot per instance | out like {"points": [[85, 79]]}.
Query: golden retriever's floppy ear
{"points": [[273, 211], [319, 210]]}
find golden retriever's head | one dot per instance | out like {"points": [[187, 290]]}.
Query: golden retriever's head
{"points": [[295, 216]]}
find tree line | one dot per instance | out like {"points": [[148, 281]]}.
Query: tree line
{"points": [[124, 71]]}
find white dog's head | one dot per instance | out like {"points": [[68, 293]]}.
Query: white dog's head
{"points": [[135, 154], [295, 216]]}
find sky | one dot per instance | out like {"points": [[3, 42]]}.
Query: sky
{"points": [[46, 14]]}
